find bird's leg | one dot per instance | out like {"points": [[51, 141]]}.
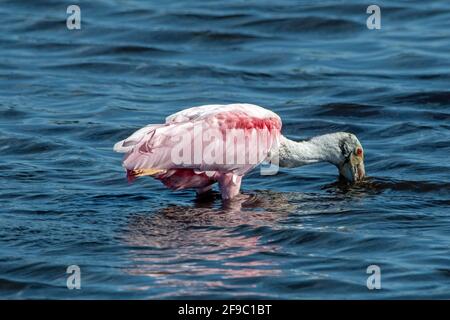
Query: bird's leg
{"points": [[203, 190], [229, 185]]}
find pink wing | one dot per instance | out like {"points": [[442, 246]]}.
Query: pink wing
{"points": [[196, 144]]}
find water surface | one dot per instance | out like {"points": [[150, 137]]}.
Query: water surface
{"points": [[67, 96]]}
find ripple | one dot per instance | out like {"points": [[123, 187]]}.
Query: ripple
{"points": [[303, 24], [11, 113], [23, 146], [438, 98], [350, 110]]}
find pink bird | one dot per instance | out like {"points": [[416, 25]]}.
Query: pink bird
{"points": [[200, 146]]}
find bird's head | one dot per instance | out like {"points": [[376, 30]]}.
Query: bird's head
{"points": [[351, 160], [340, 148]]}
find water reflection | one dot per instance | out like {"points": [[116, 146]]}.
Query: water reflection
{"points": [[212, 243], [209, 239]]}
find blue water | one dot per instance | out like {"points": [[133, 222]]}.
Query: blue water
{"points": [[67, 96]]}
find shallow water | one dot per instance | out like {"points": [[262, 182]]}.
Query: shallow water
{"points": [[67, 96]]}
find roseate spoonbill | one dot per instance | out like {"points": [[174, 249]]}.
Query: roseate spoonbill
{"points": [[200, 146]]}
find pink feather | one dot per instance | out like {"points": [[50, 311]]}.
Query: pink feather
{"points": [[254, 131]]}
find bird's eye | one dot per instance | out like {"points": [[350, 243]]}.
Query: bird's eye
{"points": [[359, 151]]}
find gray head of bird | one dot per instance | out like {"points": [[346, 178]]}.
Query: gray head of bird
{"points": [[351, 163]]}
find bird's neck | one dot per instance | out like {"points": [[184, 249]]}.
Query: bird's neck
{"points": [[317, 149]]}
